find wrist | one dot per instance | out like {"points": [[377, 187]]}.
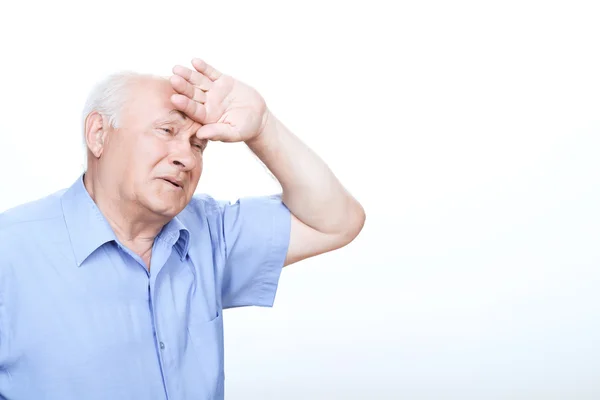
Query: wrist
{"points": [[268, 128]]}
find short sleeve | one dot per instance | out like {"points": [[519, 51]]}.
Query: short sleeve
{"points": [[256, 231]]}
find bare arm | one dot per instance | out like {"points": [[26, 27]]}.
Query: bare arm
{"points": [[325, 215]]}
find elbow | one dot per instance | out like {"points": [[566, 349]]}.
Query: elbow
{"points": [[355, 222]]}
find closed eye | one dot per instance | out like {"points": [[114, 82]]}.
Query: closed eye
{"points": [[168, 131], [200, 146]]}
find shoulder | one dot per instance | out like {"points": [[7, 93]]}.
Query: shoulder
{"points": [[228, 218], [211, 208], [26, 231], [203, 215], [203, 211], [20, 223], [32, 212], [205, 205]]}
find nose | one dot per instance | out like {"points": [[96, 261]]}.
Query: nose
{"points": [[183, 157]]}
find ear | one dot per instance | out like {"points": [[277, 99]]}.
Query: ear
{"points": [[96, 131]]}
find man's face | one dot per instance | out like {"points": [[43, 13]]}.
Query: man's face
{"points": [[154, 158]]}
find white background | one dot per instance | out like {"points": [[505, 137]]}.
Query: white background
{"points": [[470, 132]]}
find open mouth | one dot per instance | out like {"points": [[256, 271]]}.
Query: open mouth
{"points": [[173, 183]]}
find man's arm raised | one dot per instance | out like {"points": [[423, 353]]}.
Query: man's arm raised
{"points": [[325, 216]]}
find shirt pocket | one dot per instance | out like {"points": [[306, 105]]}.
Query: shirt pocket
{"points": [[206, 338]]}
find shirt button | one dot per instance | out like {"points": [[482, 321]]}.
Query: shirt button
{"points": [[162, 345]]}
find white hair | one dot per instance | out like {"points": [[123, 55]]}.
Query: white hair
{"points": [[108, 97]]}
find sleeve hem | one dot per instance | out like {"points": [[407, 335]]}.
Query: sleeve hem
{"points": [[267, 281]]}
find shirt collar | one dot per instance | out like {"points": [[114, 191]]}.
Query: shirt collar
{"points": [[176, 234], [88, 228]]}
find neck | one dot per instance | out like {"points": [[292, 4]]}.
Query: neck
{"points": [[134, 226]]}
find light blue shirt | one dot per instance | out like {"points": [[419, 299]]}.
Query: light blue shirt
{"points": [[82, 318]]}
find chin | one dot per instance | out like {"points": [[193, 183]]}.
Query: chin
{"points": [[172, 210], [166, 207]]}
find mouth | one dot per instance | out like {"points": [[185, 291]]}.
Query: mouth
{"points": [[173, 182]]}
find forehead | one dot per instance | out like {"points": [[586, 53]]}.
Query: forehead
{"points": [[148, 99]]}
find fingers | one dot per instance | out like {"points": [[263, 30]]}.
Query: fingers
{"points": [[187, 89], [195, 78], [192, 109], [206, 69], [191, 87], [216, 132]]}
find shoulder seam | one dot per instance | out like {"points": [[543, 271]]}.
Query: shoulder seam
{"points": [[19, 222]]}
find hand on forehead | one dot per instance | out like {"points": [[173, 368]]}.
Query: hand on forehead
{"points": [[149, 101]]}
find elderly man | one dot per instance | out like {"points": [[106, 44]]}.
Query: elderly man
{"points": [[114, 288]]}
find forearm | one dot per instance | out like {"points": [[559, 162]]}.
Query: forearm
{"points": [[310, 189]]}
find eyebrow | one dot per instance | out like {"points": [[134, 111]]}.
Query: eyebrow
{"points": [[179, 113], [168, 119]]}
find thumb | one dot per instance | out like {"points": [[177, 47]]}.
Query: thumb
{"points": [[217, 132]]}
